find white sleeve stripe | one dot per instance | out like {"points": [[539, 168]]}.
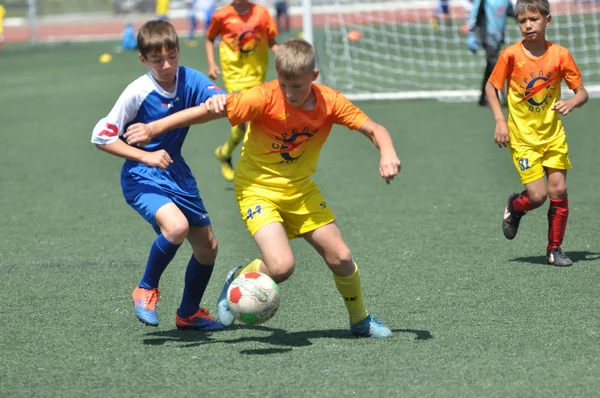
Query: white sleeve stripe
{"points": [[110, 128]]}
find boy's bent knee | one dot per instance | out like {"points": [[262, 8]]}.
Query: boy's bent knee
{"points": [[537, 199], [340, 262], [281, 269], [279, 275], [559, 192], [339, 257], [175, 231]]}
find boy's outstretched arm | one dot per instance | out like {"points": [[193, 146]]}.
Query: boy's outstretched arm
{"points": [[389, 164], [565, 106], [118, 148], [501, 129], [141, 134]]}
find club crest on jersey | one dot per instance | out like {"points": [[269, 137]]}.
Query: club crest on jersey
{"points": [[537, 90], [288, 143], [247, 41]]}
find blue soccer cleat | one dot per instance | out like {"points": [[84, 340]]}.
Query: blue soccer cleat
{"points": [[144, 301], [223, 313], [201, 320], [371, 327]]}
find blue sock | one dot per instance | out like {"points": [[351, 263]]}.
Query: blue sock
{"points": [[161, 254], [196, 279]]}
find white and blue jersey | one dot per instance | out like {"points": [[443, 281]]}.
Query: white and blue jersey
{"points": [[147, 188]]}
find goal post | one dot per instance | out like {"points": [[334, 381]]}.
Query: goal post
{"points": [[32, 15], [398, 53]]}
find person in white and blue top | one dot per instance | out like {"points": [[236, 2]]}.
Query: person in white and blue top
{"points": [[155, 179], [486, 28]]}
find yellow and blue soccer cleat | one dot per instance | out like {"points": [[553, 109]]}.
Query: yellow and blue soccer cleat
{"points": [[371, 327], [223, 313], [144, 301]]}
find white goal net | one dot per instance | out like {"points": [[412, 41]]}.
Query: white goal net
{"points": [[401, 54]]}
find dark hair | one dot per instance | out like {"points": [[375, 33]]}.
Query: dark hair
{"points": [[155, 35], [541, 6]]}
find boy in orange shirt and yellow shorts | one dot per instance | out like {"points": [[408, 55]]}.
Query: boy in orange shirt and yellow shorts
{"points": [[534, 69], [289, 121]]}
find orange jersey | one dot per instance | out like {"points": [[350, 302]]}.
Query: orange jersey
{"points": [[244, 48], [533, 89], [282, 143]]}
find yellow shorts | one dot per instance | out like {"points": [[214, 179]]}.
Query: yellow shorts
{"points": [[531, 161], [239, 88], [162, 7], [299, 210]]}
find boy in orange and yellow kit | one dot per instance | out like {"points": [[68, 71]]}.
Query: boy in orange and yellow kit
{"points": [[534, 69], [289, 121]]}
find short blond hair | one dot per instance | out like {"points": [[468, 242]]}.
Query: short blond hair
{"points": [[294, 58]]}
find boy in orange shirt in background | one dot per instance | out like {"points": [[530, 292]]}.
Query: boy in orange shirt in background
{"points": [[289, 121], [534, 68], [248, 32]]}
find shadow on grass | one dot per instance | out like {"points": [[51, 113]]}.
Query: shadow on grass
{"points": [[575, 256], [279, 337]]}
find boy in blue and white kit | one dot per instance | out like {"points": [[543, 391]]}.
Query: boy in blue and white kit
{"points": [[486, 27], [155, 179]]}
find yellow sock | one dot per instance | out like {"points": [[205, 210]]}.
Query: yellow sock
{"points": [[234, 140], [254, 266], [349, 288]]}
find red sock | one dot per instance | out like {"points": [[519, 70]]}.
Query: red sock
{"points": [[558, 213], [521, 203]]}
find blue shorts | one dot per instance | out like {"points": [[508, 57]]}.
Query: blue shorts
{"points": [[443, 8], [281, 8], [147, 189]]}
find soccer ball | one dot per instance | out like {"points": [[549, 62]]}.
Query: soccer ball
{"points": [[253, 298]]}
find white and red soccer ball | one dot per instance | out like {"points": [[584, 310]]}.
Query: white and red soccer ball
{"points": [[253, 298]]}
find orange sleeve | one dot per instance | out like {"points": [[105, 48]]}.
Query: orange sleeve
{"points": [[502, 70], [214, 29], [569, 70], [347, 114], [246, 106], [271, 27]]}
